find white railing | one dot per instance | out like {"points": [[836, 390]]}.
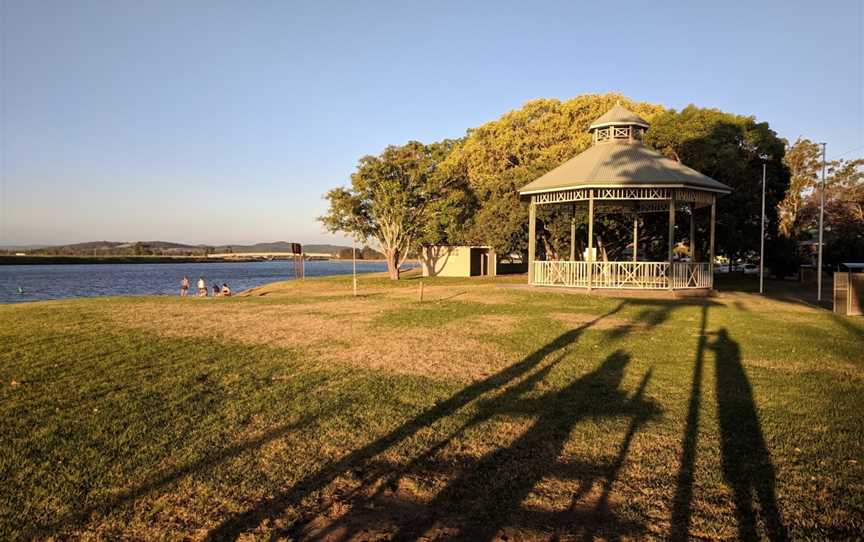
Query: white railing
{"points": [[634, 275], [691, 275]]}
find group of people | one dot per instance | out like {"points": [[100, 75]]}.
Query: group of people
{"points": [[218, 291]]}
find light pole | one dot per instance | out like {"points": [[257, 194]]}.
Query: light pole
{"points": [[821, 222], [762, 232]]}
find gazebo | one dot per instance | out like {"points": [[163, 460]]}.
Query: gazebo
{"points": [[621, 175]]}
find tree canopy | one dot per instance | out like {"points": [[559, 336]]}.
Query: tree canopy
{"points": [[501, 156], [466, 191], [390, 198]]}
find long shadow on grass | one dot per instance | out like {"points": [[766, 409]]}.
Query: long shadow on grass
{"points": [[206, 463], [681, 505], [488, 496], [478, 510], [275, 506], [746, 462]]}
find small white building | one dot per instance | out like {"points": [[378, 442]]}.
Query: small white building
{"points": [[458, 261]]}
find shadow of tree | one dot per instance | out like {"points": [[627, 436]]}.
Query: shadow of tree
{"points": [[489, 494], [476, 509], [746, 463]]}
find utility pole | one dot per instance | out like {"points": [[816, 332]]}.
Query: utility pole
{"points": [[762, 232], [821, 222]]}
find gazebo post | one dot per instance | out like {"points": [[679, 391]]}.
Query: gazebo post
{"points": [[573, 233], [532, 242], [635, 234], [692, 233], [711, 243], [590, 254], [671, 235]]}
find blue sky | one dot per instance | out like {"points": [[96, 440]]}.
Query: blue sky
{"points": [[225, 122]]}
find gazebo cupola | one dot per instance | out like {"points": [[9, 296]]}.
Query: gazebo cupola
{"points": [[618, 124], [618, 174]]}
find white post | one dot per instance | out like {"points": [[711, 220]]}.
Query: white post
{"points": [[354, 264], [532, 243], [635, 235], [693, 259], [762, 233], [711, 241], [671, 273], [590, 254], [821, 219]]}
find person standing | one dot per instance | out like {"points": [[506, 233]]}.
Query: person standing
{"points": [[202, 287], [184, 286]]}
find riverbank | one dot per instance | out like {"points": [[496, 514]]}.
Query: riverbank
{"points": [[65, 260], [299, 411]]}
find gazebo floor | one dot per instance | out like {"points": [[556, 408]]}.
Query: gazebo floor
{"points": [[682, 293]]}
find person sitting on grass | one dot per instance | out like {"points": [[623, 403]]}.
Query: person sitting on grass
{"points": [[216, 289], [202, 287], [226, 290]]}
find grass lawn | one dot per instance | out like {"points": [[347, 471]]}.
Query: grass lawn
{"points": [[488, 410]]}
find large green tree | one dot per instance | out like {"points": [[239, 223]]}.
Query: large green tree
{"points": [[499, 157], [844, 212], [804, 160], [730, 148], [391, 199]]}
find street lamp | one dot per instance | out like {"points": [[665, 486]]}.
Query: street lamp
{"points": [[821, 222], [762, 230]]}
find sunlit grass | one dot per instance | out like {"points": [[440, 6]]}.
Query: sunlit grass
{"points": [[300, 411]]}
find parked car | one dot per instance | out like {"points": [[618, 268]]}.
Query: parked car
{"points": [[722, 268], [750, 269]]}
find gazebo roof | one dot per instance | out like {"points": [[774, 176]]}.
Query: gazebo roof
{"points": [[618, 116], [626, 163]]}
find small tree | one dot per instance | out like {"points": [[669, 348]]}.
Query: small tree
{"points": [[389, 199]]}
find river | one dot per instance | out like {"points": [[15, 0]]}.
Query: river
{"points": [[40, 282]]}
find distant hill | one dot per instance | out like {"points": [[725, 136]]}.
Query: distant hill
{"points": [[168, 248], [123, 248], [278, 246]]}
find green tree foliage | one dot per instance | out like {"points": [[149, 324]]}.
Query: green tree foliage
{"points": [[844, 212], [730, 148], [804, 160], [499, 157], [390, 199]]}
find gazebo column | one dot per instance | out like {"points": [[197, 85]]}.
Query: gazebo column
{"points": [[573, 233], [532, 242], [635, 234], [590, 255], [671, 236], [711, 244], [693, 233]]}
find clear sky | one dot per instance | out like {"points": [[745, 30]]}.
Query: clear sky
{"points": [[225, 122]]}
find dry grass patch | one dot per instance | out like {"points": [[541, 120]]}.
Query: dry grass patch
{"points": [[337, 331], [576, 320]]}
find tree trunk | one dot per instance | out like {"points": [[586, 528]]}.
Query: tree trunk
{"points": [[392, 256]]}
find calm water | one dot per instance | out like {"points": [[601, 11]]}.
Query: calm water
{"points": [[88, 280]]}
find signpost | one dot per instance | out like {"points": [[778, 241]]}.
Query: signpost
{"points": [[299, 264]]}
